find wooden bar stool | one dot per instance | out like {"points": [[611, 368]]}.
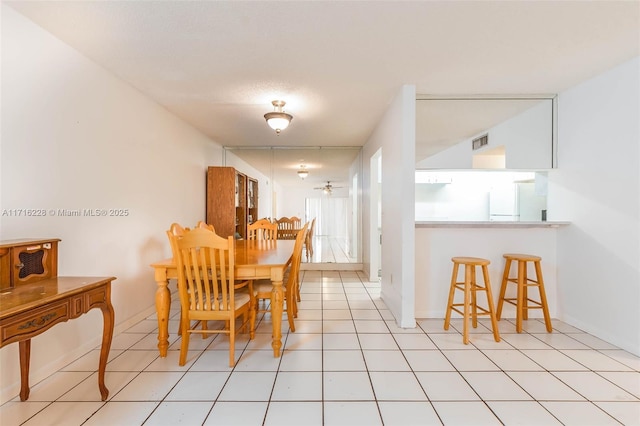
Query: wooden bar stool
{"points": [[470, 286], [522, 302]]}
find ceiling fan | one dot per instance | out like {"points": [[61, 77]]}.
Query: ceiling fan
{"points": [[328, 188]]}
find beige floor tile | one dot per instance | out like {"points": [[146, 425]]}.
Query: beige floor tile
{"points": [[344, 386], [149, 386], [233, 413], [299, 360], [346, 413], [526, 413], [544, 386], [465, 413], [627, 413], [343, 360], [578, 413], [198, 386], [340, 341], [446, 386], [298, 386], [122, 413], [408, 413], [401, 386], [174, 413], [594, 387], [294, 413], [495, 386]]}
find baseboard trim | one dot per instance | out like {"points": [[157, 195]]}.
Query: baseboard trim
{"points": [[331, 266]]}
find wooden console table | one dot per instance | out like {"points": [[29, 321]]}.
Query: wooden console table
{"points": [[31, 309]]}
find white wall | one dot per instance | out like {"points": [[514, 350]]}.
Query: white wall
{"points": [[452, 201], [526, 139], [74, 137], [458, 156], [597, 188], [265, 192], [395, 134], [293, 199]]}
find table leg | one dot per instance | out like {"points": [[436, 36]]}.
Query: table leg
{"points": [[25, 355], [107, 336], [277, 303], [163, 305]]}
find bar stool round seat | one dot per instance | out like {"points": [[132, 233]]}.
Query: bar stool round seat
{"points": [[522, 301], [470, 286]]}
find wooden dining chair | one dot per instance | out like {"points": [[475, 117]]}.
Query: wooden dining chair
{"points": [[308, 241], [286, 229], [205, 225], [175, 233], [239, 284], [264, 288], [207, 296], [262, 230]]}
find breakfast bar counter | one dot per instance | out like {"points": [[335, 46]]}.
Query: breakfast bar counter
{"points": [[436, 242], [488, 224]]}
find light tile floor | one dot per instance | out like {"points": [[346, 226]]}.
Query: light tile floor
{"points": [[329, 249], [347, 364]]}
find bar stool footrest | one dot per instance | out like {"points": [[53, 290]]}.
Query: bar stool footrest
{"points": [[514, 301], [529, 282], [474, 287], [482, 310]]}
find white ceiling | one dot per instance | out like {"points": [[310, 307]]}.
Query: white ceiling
{"points": [[324, 164], [337, 64]]}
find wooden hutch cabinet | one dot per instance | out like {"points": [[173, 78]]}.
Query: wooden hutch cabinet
{"points": [[229, 205], [26, 261]]}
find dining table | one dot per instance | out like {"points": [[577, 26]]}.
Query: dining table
{"points": [[254, 259]]}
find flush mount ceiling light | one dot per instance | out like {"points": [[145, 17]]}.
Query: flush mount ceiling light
{"points": [[278, 120], [303, 172]]}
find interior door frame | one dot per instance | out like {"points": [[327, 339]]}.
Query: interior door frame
{"points": [[375, 223]]}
